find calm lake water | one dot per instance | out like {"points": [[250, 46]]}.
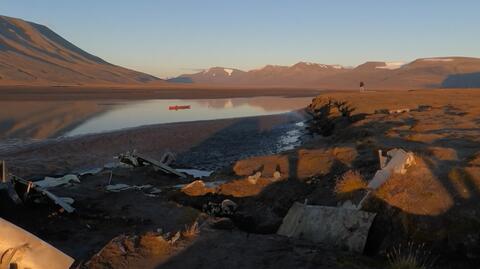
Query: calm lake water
{"points": [[133, 114], [46, 119]]}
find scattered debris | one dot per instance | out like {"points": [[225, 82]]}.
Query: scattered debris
{"points": [[21, 249], [224, 209], [50, 182], [345, 226], [64, 202], [338, 227], [123, 187], [137, 160]]}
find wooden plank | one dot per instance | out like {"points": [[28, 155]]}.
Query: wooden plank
{"points": [[160, 165]]}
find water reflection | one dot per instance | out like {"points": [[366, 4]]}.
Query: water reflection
{"points": [[157, 111], [44, 119]]}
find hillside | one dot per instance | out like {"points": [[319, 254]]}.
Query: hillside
{"points": [[32, 54]]}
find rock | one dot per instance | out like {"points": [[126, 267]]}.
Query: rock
{"points": [[228, 207], [197, 188], [277, 175], [253, 178]]}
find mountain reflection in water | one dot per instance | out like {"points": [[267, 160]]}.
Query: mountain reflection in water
{"points": [[46, 119]]}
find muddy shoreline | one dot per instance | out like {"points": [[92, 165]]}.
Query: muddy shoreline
{"points": [[64, 93], [207, 145]]}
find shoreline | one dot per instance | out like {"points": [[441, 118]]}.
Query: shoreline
{"points": [[198, 144], [50, 93]]}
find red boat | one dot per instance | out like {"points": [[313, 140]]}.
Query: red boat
{"points": [[178, 107]]}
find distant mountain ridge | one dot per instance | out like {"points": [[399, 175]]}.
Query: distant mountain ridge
{"points": [[421, 73], [31, 53]]}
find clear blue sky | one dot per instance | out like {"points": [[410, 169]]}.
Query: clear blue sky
{"points": [[170, 37]]}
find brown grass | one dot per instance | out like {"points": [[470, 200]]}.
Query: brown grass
{"points": [[191, 231], [410, 256], [350, 182]]}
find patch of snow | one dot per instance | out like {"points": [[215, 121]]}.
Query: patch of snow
{"points": [[391, 65], [437, 59], [337, 66], [228, 71]]}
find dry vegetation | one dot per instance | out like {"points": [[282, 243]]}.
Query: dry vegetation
{"points": [[350, 182], [191, 231], [410, 256]]}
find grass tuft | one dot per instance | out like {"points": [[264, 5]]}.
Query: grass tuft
{"points": [[191, 231], [410, 256], [350, 182]]}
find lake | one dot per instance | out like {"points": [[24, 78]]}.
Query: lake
{"points": [[47, 119]]}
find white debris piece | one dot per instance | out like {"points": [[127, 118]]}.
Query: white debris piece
{"points": [[51, 182], [21, 249], [334, 226], [64, 202], [399, 161], [195, 173]]}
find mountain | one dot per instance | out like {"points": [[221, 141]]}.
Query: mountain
{"points": [[33, 54], [301, 73], [421, 73], [214, 75]]}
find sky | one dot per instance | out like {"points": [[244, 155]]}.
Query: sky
{"points": [[171, 37]]}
